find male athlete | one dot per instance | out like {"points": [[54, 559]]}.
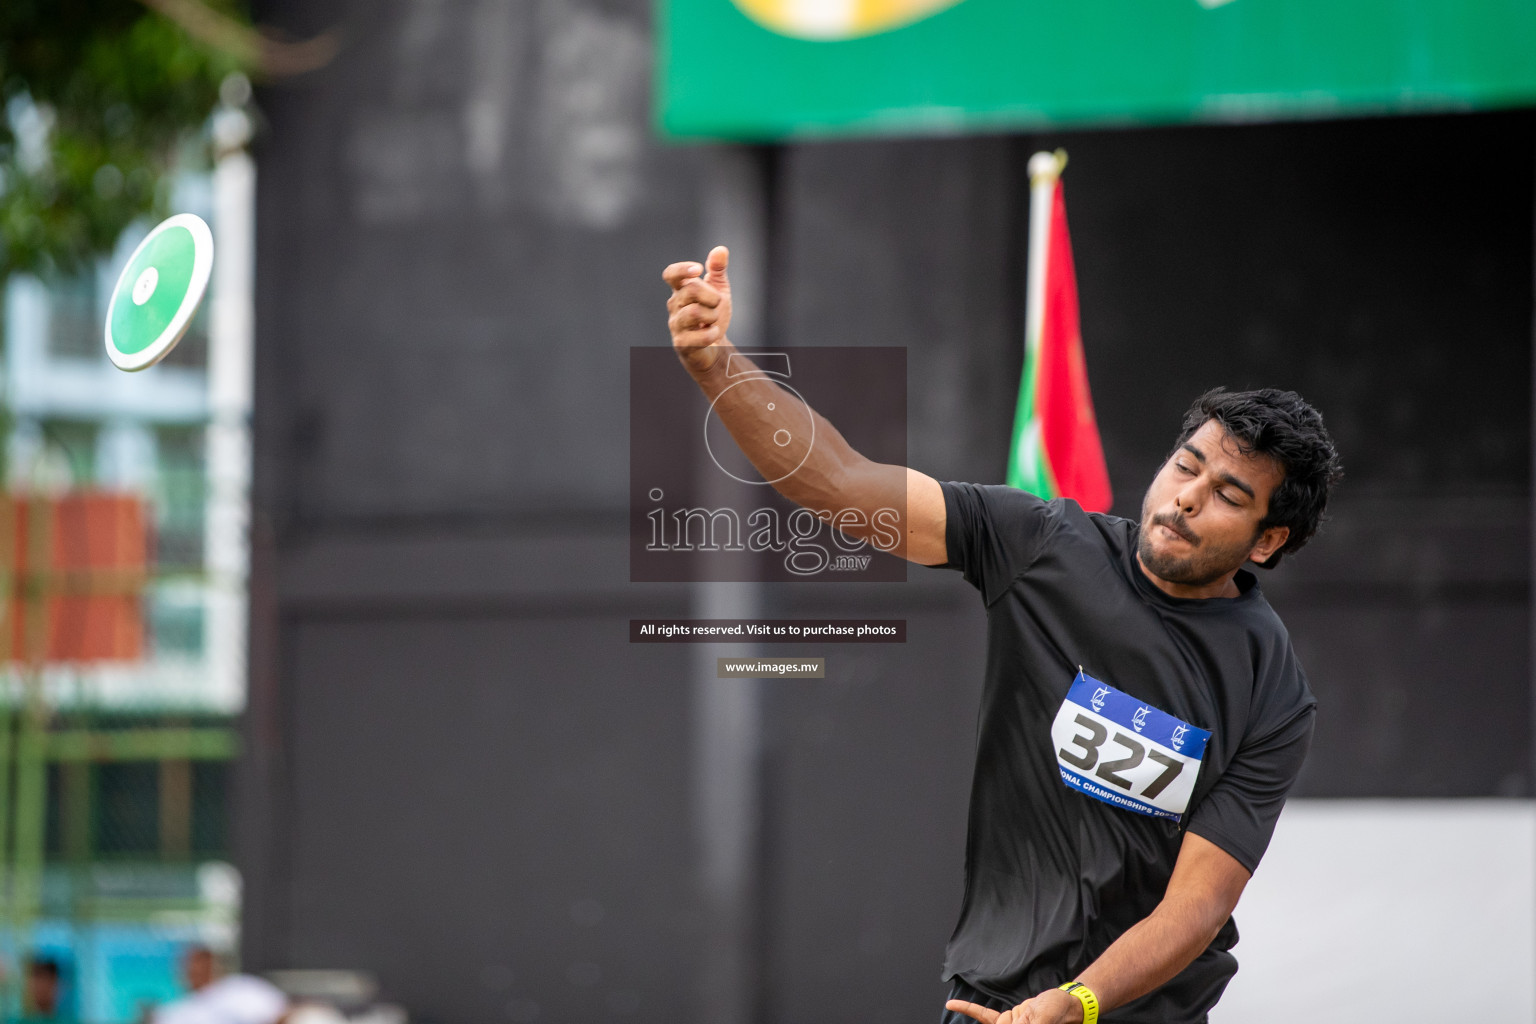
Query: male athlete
{"points": [[1143, 714]]}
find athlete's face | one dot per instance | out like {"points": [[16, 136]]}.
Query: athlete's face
{"points": [[1200, 518]]}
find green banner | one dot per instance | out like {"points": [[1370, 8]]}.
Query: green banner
{"points": [[763, 69]]}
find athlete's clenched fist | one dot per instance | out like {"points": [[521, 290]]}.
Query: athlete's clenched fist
{"points": [[700, 308]]}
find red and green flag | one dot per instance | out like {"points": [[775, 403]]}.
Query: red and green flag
{"points": [[1056, 451]]}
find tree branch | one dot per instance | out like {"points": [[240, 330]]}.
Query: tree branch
{"points": [[257, 50]]}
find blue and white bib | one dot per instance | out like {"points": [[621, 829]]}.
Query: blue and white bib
{"points": [[1114, 748]]}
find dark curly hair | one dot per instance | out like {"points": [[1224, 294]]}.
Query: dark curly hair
{"points": [[1281, 425]]}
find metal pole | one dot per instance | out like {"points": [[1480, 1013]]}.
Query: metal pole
{"points": [[31, 806], [727, 767], [8, 611], [1530, 788], [7, 872], [230, 373], [31, 764]]}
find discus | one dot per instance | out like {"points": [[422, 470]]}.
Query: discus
{"points": [[158, 292]]}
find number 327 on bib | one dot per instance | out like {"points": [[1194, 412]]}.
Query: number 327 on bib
{"points": [[1130, 755]]}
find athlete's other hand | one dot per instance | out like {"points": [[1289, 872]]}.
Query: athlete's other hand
{"points": [[1052, 1006], [700, 308]]}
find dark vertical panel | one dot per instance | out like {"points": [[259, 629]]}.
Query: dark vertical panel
{"points": [[1382, 269], [916, 244], [464, 221], [492, 814], [457, 774], [869, 778]]}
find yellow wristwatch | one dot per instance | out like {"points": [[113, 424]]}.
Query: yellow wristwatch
{"points": [[1085, 996]]}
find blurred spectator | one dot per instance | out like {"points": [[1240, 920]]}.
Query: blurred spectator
{"points": [[212, 999], [199, 967], [40, 999]]}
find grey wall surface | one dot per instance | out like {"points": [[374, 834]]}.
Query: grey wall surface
{"points": [[1351, 261], [1391, 285], [461, 777]]}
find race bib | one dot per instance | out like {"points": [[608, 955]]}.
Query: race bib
{"points": [[1114, 748]]}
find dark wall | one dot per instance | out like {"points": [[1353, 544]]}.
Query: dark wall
{"points": [[458, 776], [1381, 268], [461, 777]]}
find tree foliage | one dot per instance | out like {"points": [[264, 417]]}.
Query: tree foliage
{"points": [[102, 98]]}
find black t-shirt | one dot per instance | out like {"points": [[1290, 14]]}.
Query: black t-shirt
{"points": [[1054, 875]]}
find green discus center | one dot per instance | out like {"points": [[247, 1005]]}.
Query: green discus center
{"points": [[153, 289]]}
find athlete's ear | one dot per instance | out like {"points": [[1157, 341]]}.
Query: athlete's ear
{"points": [[1270, 541]]}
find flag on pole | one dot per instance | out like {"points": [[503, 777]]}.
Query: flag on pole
{"points": [[1056, 451]]}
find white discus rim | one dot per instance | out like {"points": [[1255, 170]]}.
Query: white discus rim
{"points": [[202, 270]]}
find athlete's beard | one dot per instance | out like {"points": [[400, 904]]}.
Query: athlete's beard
{"points": [[1203, 566]]}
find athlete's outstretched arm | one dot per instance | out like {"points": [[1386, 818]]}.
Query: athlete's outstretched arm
{"points": [[831, 477], [1201, 895]]}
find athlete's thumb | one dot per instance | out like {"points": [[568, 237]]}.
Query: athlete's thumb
{"points": [[714, 268], [977, 1012]]}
